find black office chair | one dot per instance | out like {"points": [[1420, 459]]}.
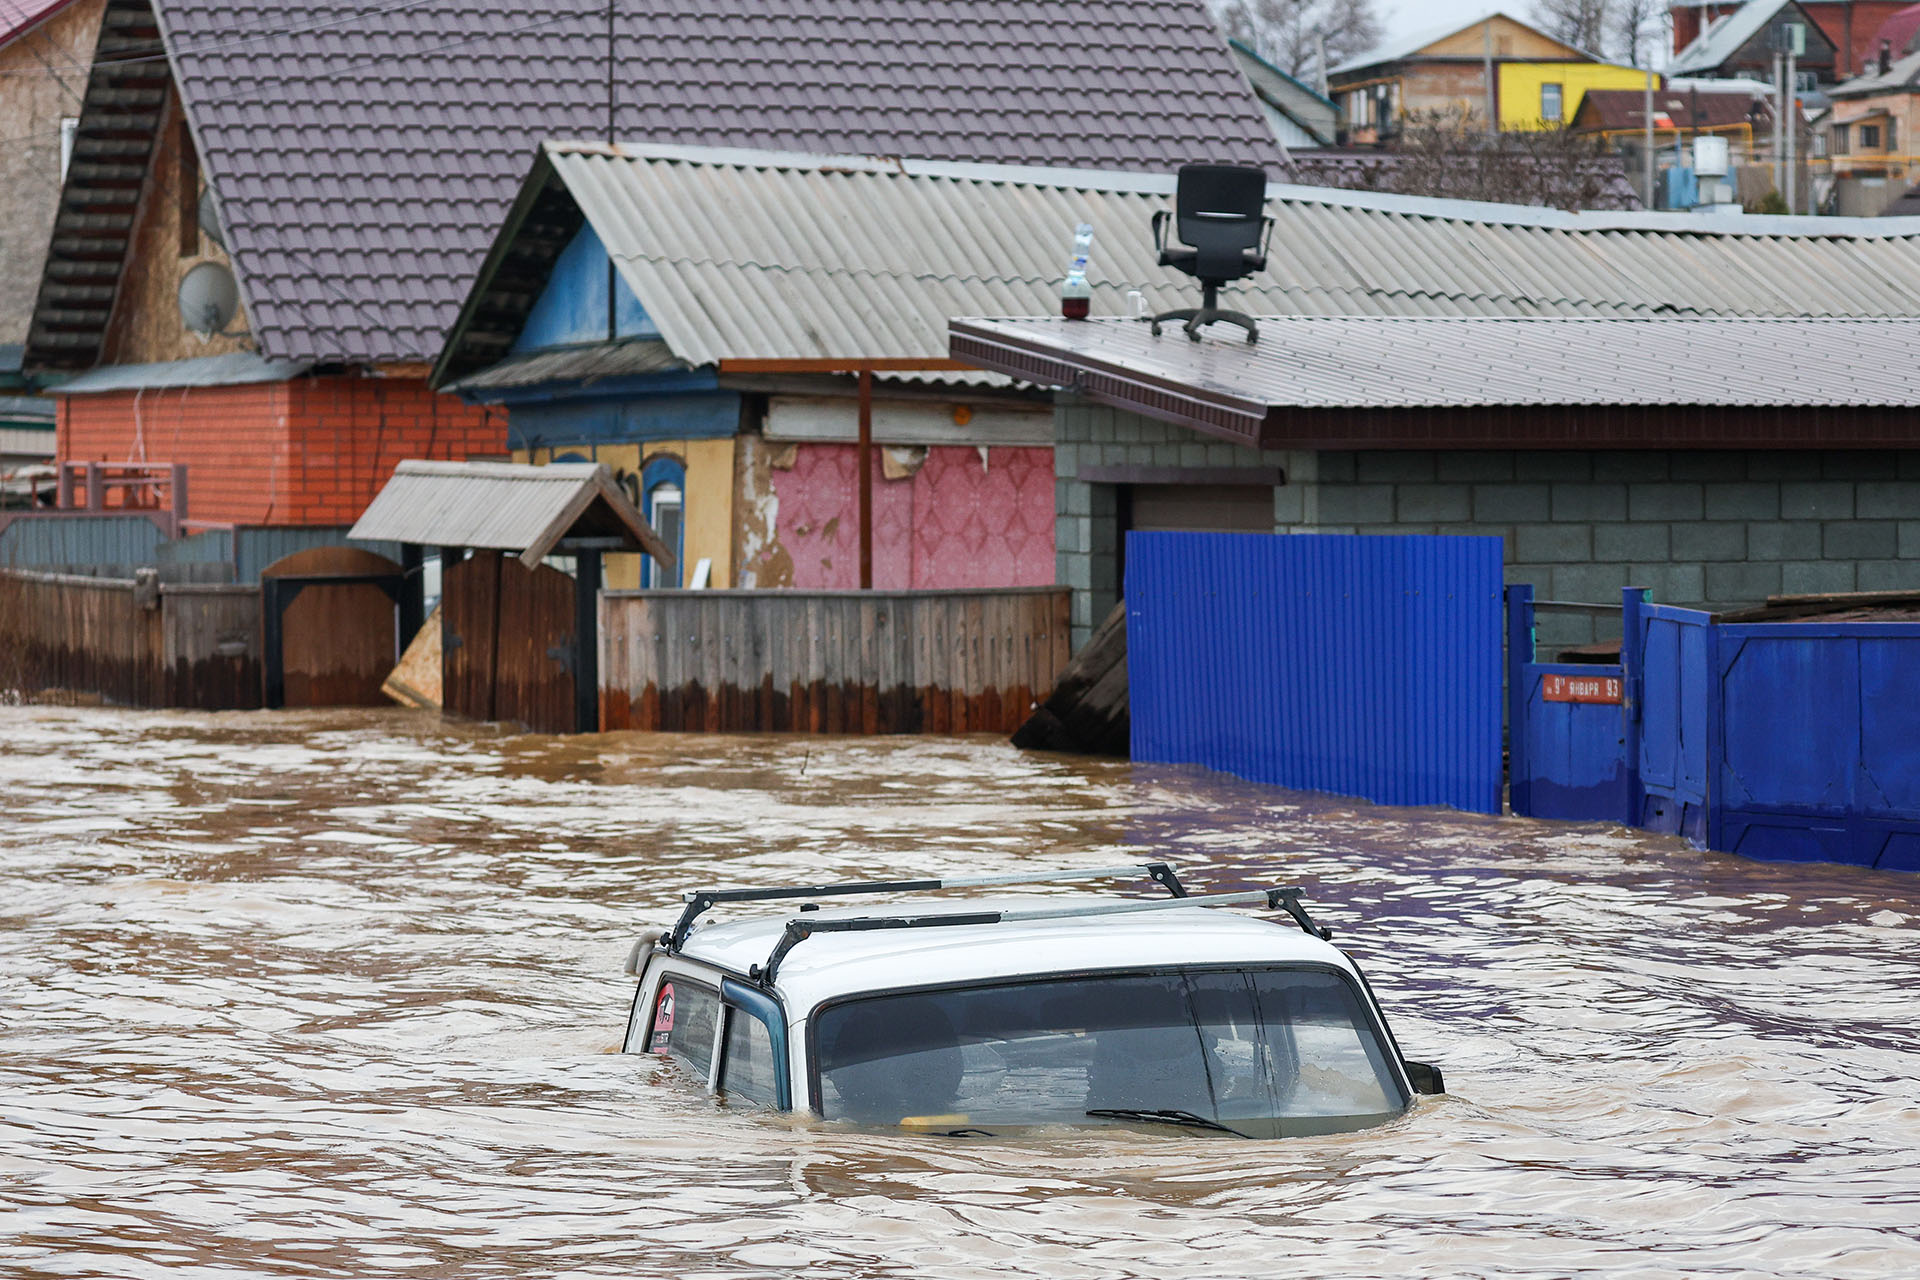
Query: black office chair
{"points": [[1220, 210]]}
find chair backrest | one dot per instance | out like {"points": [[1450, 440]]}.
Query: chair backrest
{"points": [[1220, 209]]}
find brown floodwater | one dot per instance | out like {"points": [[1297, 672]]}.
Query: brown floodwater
{"points": [[337, 995]]}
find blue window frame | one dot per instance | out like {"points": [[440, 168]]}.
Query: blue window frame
{"points": [[663, 502]]}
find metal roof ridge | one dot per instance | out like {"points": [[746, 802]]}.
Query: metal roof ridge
{"points": [[1116, 180], [966, 170]]}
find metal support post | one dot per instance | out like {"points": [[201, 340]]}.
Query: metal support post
{"points": [[586, 641], [865, 463]]}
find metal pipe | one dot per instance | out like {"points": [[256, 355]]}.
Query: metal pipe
{"points": [[1792, 126], [865, 464], [1653, 201]]}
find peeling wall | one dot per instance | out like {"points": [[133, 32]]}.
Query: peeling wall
{"points": [[945, 516]]}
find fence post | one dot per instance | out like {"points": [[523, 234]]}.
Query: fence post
{"points": [[1716, 736], [178, 488], [63, 493], [96, 497], [1632, 640], [1519, 654]]}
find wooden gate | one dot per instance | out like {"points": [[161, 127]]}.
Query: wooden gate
{"points": [[508, 642], [330, 621]]}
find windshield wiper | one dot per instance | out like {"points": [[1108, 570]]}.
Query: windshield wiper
{"points": [[1185, 1119]]}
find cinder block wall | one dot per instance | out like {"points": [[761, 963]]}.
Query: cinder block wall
{"points": [[1698, 528]]}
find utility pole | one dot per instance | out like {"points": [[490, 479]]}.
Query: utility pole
{"points": [[1779, 116], [1320, 57], [1653, 201], [1792, 126], [1486, 71]]}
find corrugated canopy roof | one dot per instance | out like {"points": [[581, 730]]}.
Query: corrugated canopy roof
{"points": [[1373, 363], [747, 256], [505, 507]]}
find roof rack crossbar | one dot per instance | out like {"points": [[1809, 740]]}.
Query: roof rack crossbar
{"points": [[700, 901], [798, 930]]}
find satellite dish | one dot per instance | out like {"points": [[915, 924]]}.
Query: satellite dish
{"points": [[210, 219], [209, 297]]}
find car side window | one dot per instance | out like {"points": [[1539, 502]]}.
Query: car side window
{"points": [[685, 1015], [747, 1069]]}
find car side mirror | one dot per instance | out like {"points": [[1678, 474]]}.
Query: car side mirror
{"points": [[1426, 1077]]}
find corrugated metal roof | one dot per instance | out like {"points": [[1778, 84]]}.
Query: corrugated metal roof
{"points": [[233, 369], [581, 364], [1418, 362], [504, 506], [757, 256]]}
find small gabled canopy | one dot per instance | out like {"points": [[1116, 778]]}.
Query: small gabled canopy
{"points": [[506, 507]]}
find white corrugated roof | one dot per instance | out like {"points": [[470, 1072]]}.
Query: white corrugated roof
{"points": [[757, 256], [1424, 362]]}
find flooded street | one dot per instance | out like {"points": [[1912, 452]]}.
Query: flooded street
{"points": [[336, 995]]}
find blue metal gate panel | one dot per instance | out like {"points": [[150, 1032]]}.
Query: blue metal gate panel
{"points": [[1673, 689], [1820, 729], [1568, 760], [1361, 665]]}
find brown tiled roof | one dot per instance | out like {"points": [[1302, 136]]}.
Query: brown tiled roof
{"points": [[1615, 109], [363, 165]]}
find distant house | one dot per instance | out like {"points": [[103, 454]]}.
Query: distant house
{"points": [[45, 46], [1868, 136], [1741, 111], [1537, 81], [348, 176], [1743, 40], [1851, 29], [1299, 116]]}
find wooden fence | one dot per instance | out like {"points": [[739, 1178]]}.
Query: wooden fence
{"points": [[138, 642], [829, 661]]}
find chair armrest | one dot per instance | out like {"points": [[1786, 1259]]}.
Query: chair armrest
{"points": [[1160, 229]]}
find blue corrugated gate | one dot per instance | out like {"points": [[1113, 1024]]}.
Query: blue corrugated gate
{"points": [[1819, 742], [1569, 753], [1667, 665], [1361, 665]]}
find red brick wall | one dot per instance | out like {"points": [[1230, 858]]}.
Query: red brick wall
{"points": [[233, 440], [310, 451], [349, 433]]}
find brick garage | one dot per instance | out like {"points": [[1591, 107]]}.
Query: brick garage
{"points": [[300, 451]]}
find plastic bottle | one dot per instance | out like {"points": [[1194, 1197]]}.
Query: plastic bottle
{"points": [[1075, 296]]}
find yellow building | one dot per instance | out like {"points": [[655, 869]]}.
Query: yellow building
{"points": [[1544, 95], [696, 512]]}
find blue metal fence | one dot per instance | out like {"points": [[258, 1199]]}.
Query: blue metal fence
{"points": [[1817, 737], [1361, 665]]}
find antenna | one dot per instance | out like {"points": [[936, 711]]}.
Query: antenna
{"points": [[209, 298]]}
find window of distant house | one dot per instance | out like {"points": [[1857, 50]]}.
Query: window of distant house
{"points": [[69, 130], [1869, 137], [663, 490], [1890, 128], [1550, 103], [1839, 139]]}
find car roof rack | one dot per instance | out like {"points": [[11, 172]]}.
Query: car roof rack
{"points": [[801, 928], [700, 901]]}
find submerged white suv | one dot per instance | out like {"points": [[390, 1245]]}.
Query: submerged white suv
{"points": [[979, 1016]]}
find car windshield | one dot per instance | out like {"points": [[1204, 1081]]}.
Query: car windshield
{"points": [[1264, 1053]]}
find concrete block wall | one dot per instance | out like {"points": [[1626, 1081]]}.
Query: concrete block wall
{"points": [[1712, 528]]}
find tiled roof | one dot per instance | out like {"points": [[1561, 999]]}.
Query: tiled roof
{"points": [[1621, 109], [363, 167], [18, 16]]}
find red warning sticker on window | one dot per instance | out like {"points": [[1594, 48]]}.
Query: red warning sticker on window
{"points": [[663, 1018]]}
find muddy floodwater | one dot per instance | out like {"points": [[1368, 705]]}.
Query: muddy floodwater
{"points": [[337, 995]]}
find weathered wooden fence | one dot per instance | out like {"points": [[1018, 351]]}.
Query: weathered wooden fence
{"points": [[829, 661], [140, 643]]}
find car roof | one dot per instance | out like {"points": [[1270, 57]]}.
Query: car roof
{"points": [[830, 965]]}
